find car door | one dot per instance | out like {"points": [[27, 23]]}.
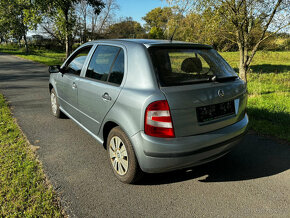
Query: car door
{"points": [[67, 83], [101, 85]]}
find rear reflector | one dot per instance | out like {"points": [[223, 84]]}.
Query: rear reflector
{"points": [[158, 122]]}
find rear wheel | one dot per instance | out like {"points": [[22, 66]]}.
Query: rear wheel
{"points": [[122, 156], [54, 104]]}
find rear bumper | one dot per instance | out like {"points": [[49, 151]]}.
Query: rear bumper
{"points": [[161, 155]]}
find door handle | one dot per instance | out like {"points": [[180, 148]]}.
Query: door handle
{"points": [[74, 85], [106, 97]]}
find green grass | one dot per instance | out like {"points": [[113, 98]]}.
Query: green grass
{"points": [[38, 55], [268, 87], [24, 191]]}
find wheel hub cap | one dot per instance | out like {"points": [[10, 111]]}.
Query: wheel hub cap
{"points": [[53, 103], [118, 156]]}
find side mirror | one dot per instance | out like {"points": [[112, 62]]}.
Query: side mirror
{"points": [[54, 69]]}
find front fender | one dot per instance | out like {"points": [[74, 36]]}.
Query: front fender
{"points": [[53, 83]]}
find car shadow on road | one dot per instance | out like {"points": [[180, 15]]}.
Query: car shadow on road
{"points": [[255, 157]]}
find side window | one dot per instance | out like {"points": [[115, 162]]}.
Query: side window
{"points": [[117, 71], [76, 64], [101, 62]]}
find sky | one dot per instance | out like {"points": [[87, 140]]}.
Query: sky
{"points": [[131, 8], [138, 8]]}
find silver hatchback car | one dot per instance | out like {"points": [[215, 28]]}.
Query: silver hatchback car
{"points": [[155, 105]]}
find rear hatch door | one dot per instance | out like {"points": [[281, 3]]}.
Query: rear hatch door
{"points": [[204, 93], [201, 108]]}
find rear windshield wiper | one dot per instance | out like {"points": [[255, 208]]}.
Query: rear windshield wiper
{"points": [[195, 81], [223, 79]]}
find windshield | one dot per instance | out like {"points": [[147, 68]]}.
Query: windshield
{"points": [[181, 66]]}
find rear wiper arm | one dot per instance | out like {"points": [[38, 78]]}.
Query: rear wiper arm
{"points": [[223, 79], [197, 81]]}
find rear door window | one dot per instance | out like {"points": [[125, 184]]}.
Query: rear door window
{"points": [[75, 64], [117, 70], [107, 64]]}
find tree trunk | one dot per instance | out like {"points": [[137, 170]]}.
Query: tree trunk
{"points": [[242, 35], [68, 44], [93, 27], [19, 43], [243, 73], [26, 44], [242, 68], [85, 28], [24, 32], [243, 65]]}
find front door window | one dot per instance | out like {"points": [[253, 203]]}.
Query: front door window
{"points": [[75, 64]]}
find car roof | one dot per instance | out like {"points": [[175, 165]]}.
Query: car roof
{"points": [[153, 43]]}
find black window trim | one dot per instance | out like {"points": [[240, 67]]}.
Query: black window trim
{"points": [[106, 82]]}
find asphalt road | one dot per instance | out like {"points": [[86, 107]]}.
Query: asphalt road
{"points": [[253, 180]]}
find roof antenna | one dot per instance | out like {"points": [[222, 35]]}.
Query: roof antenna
{"points": [[171, 38]]}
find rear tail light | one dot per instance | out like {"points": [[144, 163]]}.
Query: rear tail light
{"points": [[158, 122]]}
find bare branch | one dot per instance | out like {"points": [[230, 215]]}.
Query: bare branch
{"points": [[51, 33], [254, 50]]}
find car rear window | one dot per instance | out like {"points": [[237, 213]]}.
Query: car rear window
{"points": [[182, 66]]}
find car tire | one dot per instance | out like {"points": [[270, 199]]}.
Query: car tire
{"points": [[55, 105], [122, 157]]}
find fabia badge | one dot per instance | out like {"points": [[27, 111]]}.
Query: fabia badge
{"points": [[221, 93]]}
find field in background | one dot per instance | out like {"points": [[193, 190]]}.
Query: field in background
{"points": [[268, 87]]}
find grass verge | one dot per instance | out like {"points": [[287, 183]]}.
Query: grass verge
{"points": [[38, 55], [24, 191]]}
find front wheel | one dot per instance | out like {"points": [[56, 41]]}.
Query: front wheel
{"points": [[122, 156], [54, 105]]}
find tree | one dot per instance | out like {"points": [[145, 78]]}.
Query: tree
{"points": [[126, 29], [17, 17], [48, 27], [244, 16], [63, 13], [206, 28], [157, 20], [82, 11], [189, 28], [107, 14], [156, 33]]}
